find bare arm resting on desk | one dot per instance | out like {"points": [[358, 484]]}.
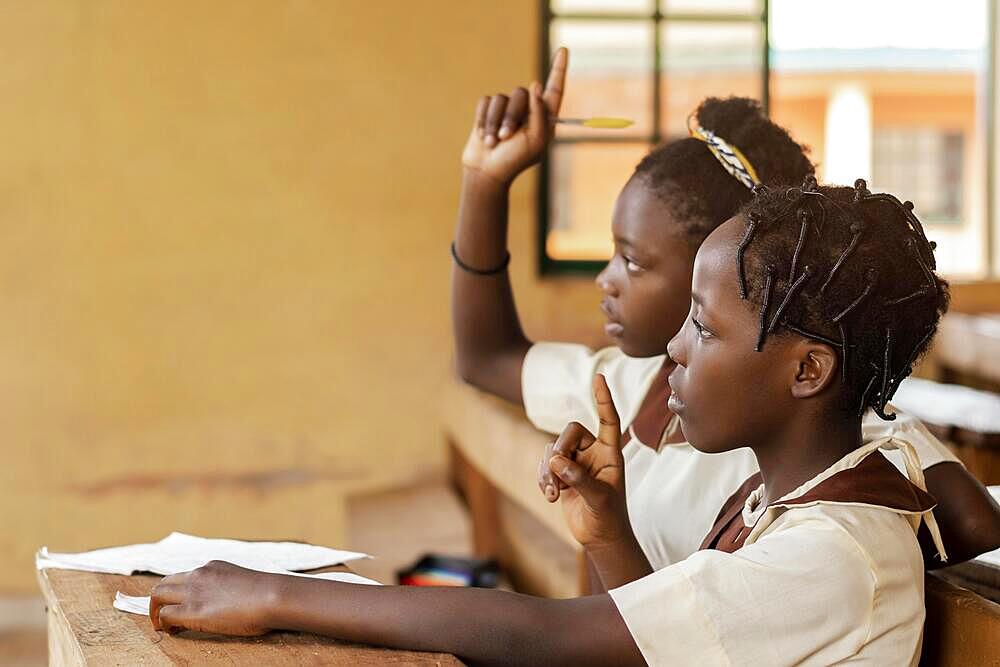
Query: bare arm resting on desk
{"points": [[478, 625]]}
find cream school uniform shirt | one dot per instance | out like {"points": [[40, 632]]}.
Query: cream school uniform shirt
{"points": [[817, 584], [673, 492]]}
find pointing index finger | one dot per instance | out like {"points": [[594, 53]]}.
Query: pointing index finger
{"points": [[556, 82], [609, 432]]}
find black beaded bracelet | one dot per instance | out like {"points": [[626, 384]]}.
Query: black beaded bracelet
{"points": [[479, 272]]}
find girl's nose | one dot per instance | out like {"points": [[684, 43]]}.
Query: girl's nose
{"points": [[675, 347], [605, 283]]}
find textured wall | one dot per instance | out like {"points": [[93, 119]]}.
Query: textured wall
{"points": [[223, 258]]}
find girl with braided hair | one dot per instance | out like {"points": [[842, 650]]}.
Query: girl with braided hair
{"points": [[813, 561], [808, 308], [677, 195]]}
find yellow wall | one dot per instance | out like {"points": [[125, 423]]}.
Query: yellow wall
{"points": [[224, 258]]}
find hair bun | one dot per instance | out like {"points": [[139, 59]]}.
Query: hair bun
{"points": [[741, 122]]}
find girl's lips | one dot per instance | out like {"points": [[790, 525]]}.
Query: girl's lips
{"points": [[674, 402], [613, 327]]}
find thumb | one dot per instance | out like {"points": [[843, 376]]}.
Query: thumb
{"points": [[577, 478]]}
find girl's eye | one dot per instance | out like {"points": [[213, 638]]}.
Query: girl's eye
{"points": [[702, 331], [631, 266]]}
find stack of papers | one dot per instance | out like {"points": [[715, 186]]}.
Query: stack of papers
{"points": [[181, 553], [140, 605]]}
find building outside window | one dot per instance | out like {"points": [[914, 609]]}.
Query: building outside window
{"points": [[896, 92]]}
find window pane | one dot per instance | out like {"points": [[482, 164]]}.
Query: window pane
{"points": [[896, 99], [602, 6], [700, 60], [925, 163], [610, 73], [747, 7], [584, 182]]}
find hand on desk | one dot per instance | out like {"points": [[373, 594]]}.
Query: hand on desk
{"points": [[219, 597]]}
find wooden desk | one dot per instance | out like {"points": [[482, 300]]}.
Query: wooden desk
{"points": [[967, 349], [961, 629], [84, 629], [978, 576]]}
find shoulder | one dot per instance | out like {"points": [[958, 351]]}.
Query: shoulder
{"points": [[877, 540], [930, 451], [573, 356], [556, 383]]}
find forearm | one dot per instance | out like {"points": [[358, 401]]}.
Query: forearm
{"points": [[478, 625], [620, 563], [489, 343]]}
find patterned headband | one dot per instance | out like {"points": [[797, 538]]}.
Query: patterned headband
{"points": [[730, 157]]}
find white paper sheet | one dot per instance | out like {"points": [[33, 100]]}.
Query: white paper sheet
{"points": [[140, 604], [181, 553]]}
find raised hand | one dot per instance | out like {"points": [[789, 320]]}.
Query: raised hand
{"points": [[510, 133], [588, 475]]}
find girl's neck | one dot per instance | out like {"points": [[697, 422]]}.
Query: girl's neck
{"points": [[803, 449]]}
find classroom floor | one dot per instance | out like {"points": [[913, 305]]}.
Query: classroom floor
{"points": [[399, 526], [396, 526], [22, 632]]}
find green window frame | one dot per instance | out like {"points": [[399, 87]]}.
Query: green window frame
{"points": [[657, 19]]}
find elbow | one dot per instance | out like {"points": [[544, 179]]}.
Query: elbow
{"points": [[991, 532], [983, 529], [974, 535]]}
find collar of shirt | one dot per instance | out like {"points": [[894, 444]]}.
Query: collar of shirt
{"points": [[861, 478]]}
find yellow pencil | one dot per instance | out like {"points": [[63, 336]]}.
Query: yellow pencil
{"points": [[598, 123]]}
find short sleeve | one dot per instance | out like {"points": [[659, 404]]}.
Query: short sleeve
{"points": [[556, 383], [768, 603], [930, 450]]}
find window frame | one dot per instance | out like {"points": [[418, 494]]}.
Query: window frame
{"points": [[548, 266]]}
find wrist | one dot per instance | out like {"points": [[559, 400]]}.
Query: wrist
{"points": [[613, 549], [277, 596], [477, 180], [619, 563]]}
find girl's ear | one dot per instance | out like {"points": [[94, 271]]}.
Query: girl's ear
{"points": [[818, 365]]}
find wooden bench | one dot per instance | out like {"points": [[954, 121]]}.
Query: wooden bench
{"points": [[966, 419]]}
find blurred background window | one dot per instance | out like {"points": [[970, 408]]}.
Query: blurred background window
{"points": [[645, 60], [895, 91]]}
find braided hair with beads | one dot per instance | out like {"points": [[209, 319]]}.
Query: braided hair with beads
{"points": [[848, 268]]}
